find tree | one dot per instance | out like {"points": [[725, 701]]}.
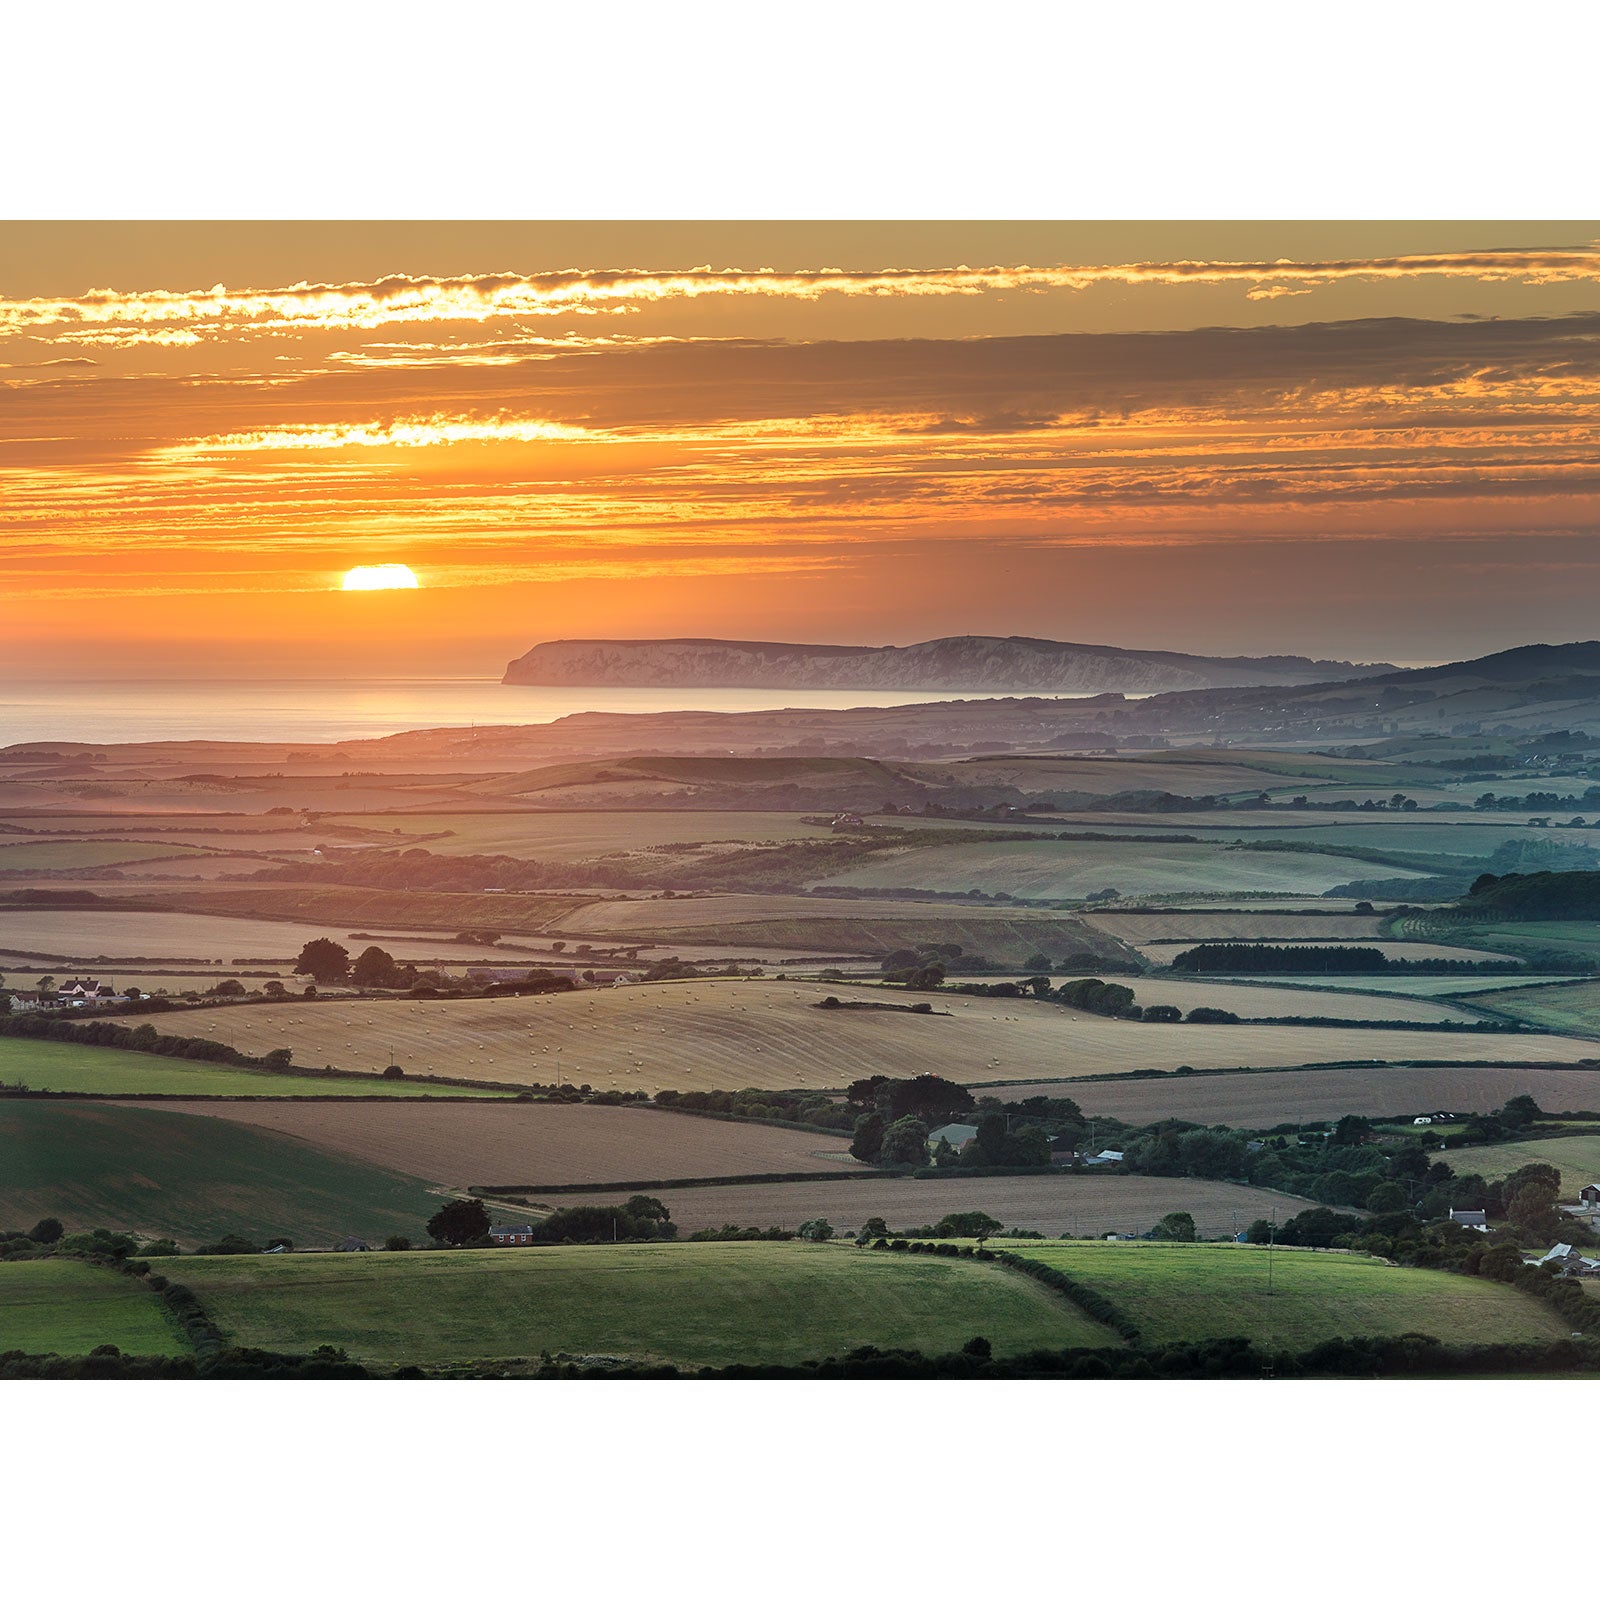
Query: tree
{"points": [[868, 1141], [1534, 1210], [1520, 1110], [873, 1228], [1351, 1130], [229, 988], [1259, 1232], [397, 1241], [459, 1222], [46, 1231], [375, 969], [1386, 1196], [977, 1225], [819, 1231], [1177, 1226], [323, 960], [905, 1143], [1037, 963], [978, 1347]]}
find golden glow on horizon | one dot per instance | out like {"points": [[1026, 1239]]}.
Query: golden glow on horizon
{"points": [[386, 575]]}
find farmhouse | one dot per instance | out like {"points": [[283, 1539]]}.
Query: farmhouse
{"points": [[1478, 1220], [511, 1233], [960, 1135]]}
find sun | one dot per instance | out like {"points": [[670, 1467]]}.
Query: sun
{"points": [[390, 575]]}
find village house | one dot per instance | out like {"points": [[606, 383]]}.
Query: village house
{"points": [[512, 1233], [1477, 1220]]}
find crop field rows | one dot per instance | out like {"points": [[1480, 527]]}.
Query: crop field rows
{"points": [[734, 1034]]}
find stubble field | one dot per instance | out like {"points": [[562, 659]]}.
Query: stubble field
{"points": [[734, 1034]]}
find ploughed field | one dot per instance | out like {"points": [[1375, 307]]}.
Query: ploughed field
{"points": [[1182, 1292], [64, 1068], [735, 1034], [1074, 1203], [692, 1304], [192, 1179], [542, 1143], [1265, 1099], [64, 1307]]}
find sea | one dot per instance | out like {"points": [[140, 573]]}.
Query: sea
{"points": [[321, 710]]}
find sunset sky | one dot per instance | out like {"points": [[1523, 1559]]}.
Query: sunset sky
{"points": [[1367, 440]]}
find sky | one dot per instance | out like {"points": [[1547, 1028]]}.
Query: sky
{"points": [[1372, 441]]}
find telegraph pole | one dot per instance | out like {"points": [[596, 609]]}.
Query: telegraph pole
{"points": [[1272, 1234]]}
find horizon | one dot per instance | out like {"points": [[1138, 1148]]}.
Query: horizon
{"points": [[1354, 441]]}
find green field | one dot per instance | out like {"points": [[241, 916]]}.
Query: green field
{"points": [[166, 1175], [68, 1307], [1181, 1292], [92, 1069], [1566, 1007], [1526, 940], [707, 1304], [1577, 1156]]}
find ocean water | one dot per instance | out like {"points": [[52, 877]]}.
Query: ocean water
{"points": [[318, 710]]}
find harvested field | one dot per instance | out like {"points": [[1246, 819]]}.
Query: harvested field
{"points": [[1077, 1204], [798, 923], [116, 936], [67, 1308], [1180, 1292], [580, 835], [631, 916], [1264, 1099], [690, 1303], [540, 1143], [1419, 987], [1273, 927], [338, 906], [1267, 1000], [736, 1033], [62, 1068], [1057, 870]]}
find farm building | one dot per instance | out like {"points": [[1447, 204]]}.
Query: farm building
{"points": [[352, 1244], [1589, 1196], [512, 1233], [959, 1134], [1571, 1263]]}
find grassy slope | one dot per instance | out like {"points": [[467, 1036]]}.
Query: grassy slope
{"points": [[709, 1303], [91, 1069], [1176, 1292], [68, 1307], [1576, 1155], [1569, 1007], [191, 1178]]}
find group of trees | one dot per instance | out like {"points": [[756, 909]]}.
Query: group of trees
{"points": [[1336, 959], [465, 1223]]}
